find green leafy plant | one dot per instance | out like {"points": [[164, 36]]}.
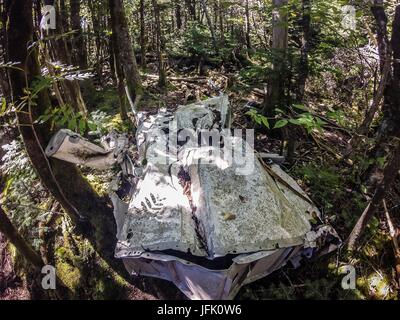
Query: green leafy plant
{"points": [[258, 118], [308, 121], [66, 117], [304, 119]]}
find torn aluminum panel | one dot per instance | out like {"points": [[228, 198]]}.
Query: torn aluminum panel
{"points": [[185, 203], [196, 217], [71, 147], [198, 282]]}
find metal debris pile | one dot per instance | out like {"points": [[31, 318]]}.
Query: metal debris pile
{"points": [[210, 217]]}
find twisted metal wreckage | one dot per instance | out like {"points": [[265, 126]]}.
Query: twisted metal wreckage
{"points": [[193, 217]]}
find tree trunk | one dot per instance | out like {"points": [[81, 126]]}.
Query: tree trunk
{"points": [[390, 125], [210, 25], [276, 83], [119, 75], [178, 15], [79, 51], [162, 77], [384, 50], [133, 85], [78, 46], [381, 21], [4, 81], [6, 227], [248, 25], [384, 63], [391, 108], [221, 23], [94, 11], [305, 44], [142, 35]]}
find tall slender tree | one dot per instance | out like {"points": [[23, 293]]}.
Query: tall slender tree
{"points": [[162, 77], [304, 68], [119, 75], [142, 34], [248, 24], [133, 84], [210, 24], [276, 84], [79, 49]]}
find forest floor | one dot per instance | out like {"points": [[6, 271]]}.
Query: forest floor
{"points": [[331, 183], [12, 287]]}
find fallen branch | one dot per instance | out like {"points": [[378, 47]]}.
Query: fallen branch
{"points": [[331, 151]]}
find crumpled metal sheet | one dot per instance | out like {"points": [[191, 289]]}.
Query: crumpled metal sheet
{"points": [[71, 147], [204, 227], [200, 283], [262, 213]]}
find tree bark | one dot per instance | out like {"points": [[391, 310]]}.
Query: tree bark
{"points": [[4, 81], [162, 77], [384, 63], [6, 226], [248, 25], [94, 11], [142, 34], [133, 85], [119, 75], [79, 51], [390, 125], [210, 25], [305, 46], [78, 46], [276, 84], [221, 23], [178, 15], [381, 21]]}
